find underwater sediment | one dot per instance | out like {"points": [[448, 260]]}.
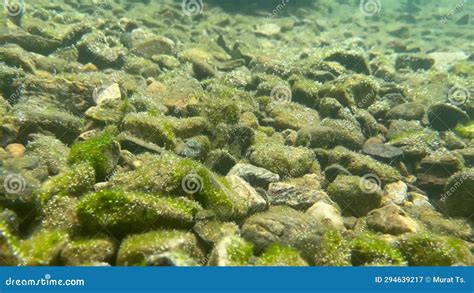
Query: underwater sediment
{"points": [[236, 133]]}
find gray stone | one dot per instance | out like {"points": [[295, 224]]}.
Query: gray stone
{"points": [[256, 176]]}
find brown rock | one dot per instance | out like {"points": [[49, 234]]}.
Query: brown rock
{"points": [[16, 150], [391, 219]]}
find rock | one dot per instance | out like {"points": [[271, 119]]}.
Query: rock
{"points": [[170, 174], [221, 161], [231, 251], [434, 250], [331, 133], [299, 198], [445, 116], [124, 213], [457, 197], [434, 170], [51, 151], [195, 148], [141, 67], [326, 215], [416, 144], [278, 255], [362, 165], [36, 117], [382, 152], [203, 70], [398, 127], [285, 161], [282, 225], [329, 107], [407, 111], [396, 192], [467, 154], [110, 93], [352, 60], [174, 259], [368, 249], [101, 152], [101, 50], [256, 176], [391, 219], [16, 150], [43, 248], [292, 116], [247, 194], [414, 62], [268, 29], [80, 252], [444, 60], [356, 196], [213, 231], [76, 181], [136, 249], [305, 91]]}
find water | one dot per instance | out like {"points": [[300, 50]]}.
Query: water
{"points": [[209, 132]]}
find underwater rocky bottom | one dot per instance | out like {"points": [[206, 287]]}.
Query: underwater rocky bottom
{"points": [[146, 134]]}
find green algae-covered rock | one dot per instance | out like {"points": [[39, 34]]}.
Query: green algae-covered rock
{"points": [[368, 249], [434, 250], [52, 152], [59, 213], [355, 195], [221, 111], [76, 181], [101, 152], [292, 116], [231, 251], [361, 165], [43, 248], [123, 213], [170, 174], [135, 249], [283, 160], [331, 133], [85, 251], [279, 255], [305, 91], [416, 144], [284, 225], [458, 196], [163, 130], [333, 251], [212, 231]]}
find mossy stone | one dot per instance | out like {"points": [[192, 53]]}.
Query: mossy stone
{"points": [[122, 213], [369, 250], [76, 181], [101, 152], [135, 249], [355, 195], [458, 198], [333, 251], [87, 251], [434, 250], [279, 255], [285, 161], [231, 251], [43, 248]]}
